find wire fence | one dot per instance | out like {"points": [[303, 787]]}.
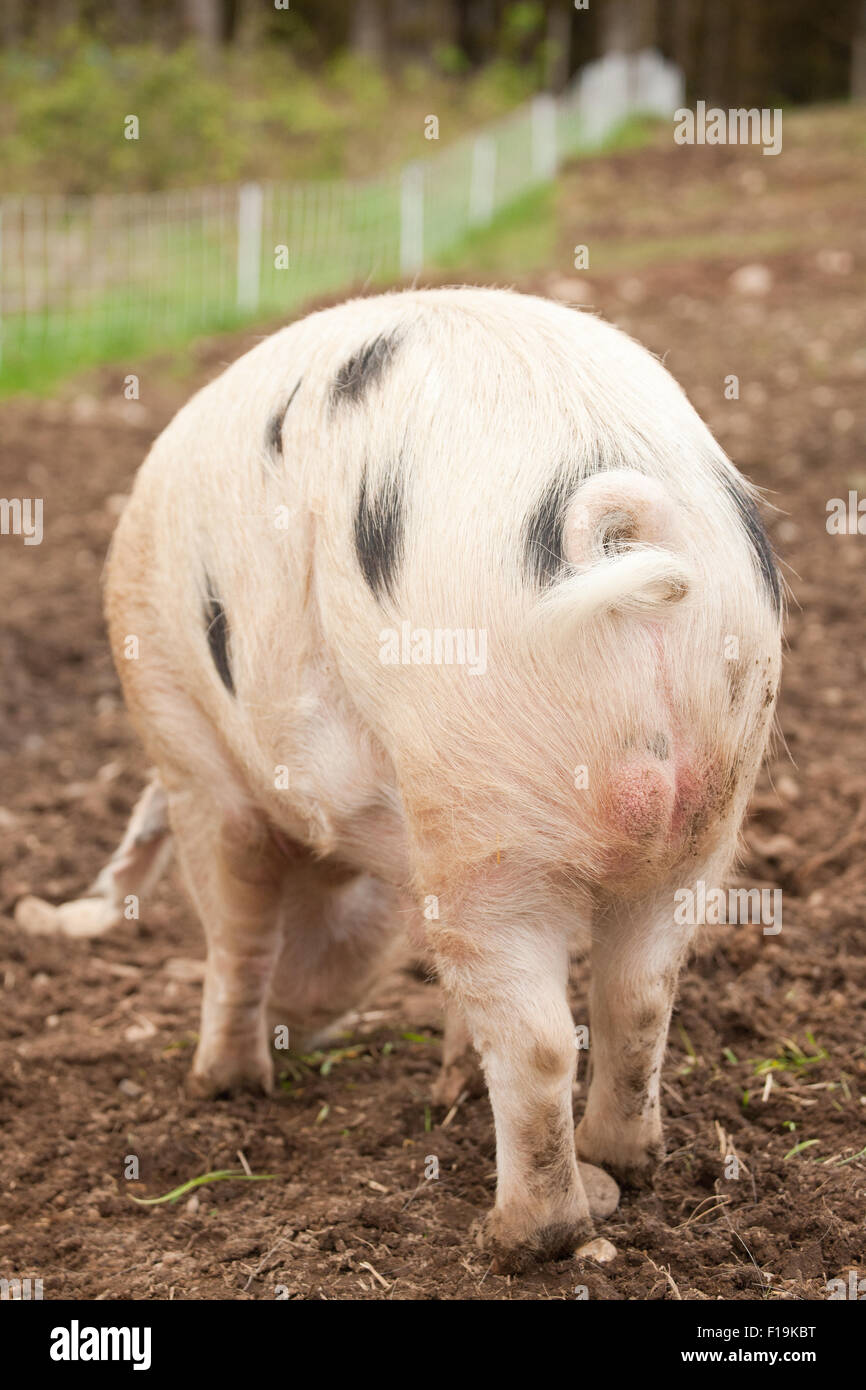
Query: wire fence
{"points": [[88, 279]]}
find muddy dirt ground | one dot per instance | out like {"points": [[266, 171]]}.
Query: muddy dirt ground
{"points": [[767, 1053]]}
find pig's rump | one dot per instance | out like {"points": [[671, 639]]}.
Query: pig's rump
{"points": [[470, 569]]}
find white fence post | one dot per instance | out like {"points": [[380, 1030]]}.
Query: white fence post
{"points": [[482, 189], [412, 219], [250, 205], [544, 136]]}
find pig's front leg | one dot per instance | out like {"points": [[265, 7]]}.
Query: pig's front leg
{"points": [[460, 1069], [637, 950], [235, 874], [501, 952]]}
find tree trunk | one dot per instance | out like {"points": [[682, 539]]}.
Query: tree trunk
{"points": [[10, 23], [629, 25], [716, 53], [858, 56], [681, 35], [367, 37], [204, 21], [558, 45], [127, 20]]}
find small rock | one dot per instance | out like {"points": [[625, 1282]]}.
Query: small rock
{"points": [[600, 1250], [571, 290], [601, 1191], [632, 290], [84, 407], [771, 846], [130, 1088], [751, 280], [139, 1032], [834, 262], [752, 181]]}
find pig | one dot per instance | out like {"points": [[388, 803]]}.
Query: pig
{"points": [[441, 614]]}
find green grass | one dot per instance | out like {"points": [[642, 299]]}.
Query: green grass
{"points": [[792, 1057], [518, 241], [220, 1175]]}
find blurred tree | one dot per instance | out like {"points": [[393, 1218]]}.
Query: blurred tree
{"points": [[732, 51], [368, 35], [715, 53], [10, 23], [203, 20], [212, 22], [858, 55], [558, 66], [127, 17], [629, 25]]}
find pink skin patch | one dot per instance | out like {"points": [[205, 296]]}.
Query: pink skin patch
{"points": [[641, 799], [659, 800]]}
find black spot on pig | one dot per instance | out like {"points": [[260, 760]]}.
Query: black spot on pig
{"points": [[363, 369], [274, 433], [379, 532], [659, 747], [754, 528], [217, 639], [542, 546], [542, 537]]}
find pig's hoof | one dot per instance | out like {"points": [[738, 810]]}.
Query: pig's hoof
{"points": [[600, 1250], [633, 1166], [602, 1192], [513, 1251], [82, 917], [230, 1077], [454, 1080]]}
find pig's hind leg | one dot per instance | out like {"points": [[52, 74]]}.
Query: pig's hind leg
{"points": [[501, 954], [637, 951], [460, 1071]]}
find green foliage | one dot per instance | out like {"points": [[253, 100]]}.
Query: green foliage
{"points": [[521, 22], [246, 113]]}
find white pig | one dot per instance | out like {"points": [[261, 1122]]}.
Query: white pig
{"points": [[448, 598]]}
